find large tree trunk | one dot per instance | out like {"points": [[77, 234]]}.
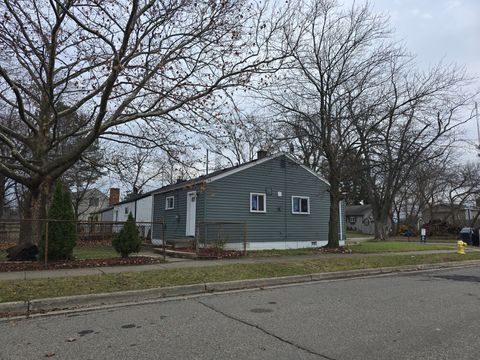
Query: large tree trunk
{"points": [[334, 222], [382, 226], [34, 214]]}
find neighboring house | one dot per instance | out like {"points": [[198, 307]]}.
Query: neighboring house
{"points": [[88, 203], [105, 215], [282, 203], [140, 206], [360, 218], [458, 215]]}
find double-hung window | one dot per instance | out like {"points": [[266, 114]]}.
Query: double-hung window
{"points": [[169, 202], [300, 205], [258, 203]]}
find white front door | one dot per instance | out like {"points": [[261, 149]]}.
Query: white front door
{"points": [[191, 213]]}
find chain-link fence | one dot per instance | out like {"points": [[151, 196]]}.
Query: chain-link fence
{"points": [[44, 234], [222, 235]]}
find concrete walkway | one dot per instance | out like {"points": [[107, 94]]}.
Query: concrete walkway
{"points": [[175, 263]]}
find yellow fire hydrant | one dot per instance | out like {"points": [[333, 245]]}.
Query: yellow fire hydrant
{"points": [[461, 247]]}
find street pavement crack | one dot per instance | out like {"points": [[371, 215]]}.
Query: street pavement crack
{"points": [[322, 356]]}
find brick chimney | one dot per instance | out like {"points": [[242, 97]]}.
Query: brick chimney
{"points": [[114, 196], [262, 154]]}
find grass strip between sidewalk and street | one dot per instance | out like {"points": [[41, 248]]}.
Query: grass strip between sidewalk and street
{"points": [[18, 290], [369, 247], [366, 247]]}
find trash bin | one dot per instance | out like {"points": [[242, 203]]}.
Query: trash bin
{"points": [[475, 238], [465, 235]]}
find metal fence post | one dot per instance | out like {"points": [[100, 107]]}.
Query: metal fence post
{"points": [[245, 239], [46, 244], [163, 241]]}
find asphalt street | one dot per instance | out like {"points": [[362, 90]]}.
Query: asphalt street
{"points": [[429, 315]]}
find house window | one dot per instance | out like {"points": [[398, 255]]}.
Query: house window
{"points": [[93, 201], [258, 202], [126, 210], [352, 219], [169, 202], [300, 205]]}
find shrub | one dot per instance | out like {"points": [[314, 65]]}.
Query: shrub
{"points": [[62, 234], [127, 241]]}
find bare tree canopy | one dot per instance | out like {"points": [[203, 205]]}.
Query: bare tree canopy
{"points": [[337, 53], [119, 62]]}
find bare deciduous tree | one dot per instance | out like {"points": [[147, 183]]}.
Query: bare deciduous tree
{"points": [[337, 53], [119, 62], [412, 121]]}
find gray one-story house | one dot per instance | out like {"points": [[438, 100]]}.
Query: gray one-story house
{"points": [[271, 202], [360, 218]]}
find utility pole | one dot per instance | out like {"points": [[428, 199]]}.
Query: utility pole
{"points": [[206, 167], [478, 129]]}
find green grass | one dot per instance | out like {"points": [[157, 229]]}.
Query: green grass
{"points": [[94, 252], [286, 252], [83, 252], [450, 240], [44, 288], [391, 246], [356, 234]]}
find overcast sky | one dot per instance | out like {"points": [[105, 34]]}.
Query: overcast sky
{"points": [[436, 30]]}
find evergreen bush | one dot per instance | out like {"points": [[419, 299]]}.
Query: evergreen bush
{"points": [[128, 240], [62, 234]]}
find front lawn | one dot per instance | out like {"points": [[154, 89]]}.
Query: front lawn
{"points": [[54, 287], [392, 246], [351, 234], [94, 252], [282, 252], [83, 252]]}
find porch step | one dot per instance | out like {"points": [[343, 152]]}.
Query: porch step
{"points": [[175, 253]]}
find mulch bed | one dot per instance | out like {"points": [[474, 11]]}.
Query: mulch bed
{"points": [[209, 253], [7, 266], [337, 250]]}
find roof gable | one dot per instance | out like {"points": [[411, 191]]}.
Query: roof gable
{"points": [[261, 161]]}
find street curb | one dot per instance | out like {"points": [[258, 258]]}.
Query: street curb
{"points": [[77, 302]]}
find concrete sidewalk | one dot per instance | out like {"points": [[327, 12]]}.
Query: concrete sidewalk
{"points": [[175, 263]]}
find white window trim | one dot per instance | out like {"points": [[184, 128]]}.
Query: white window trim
{"points": [[264, 203], [300, 212], [173, 203], [350, 218]]}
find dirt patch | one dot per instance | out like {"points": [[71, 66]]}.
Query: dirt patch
{"points": [[7, 244], [210, 253], [337, 250], [7, 266]]}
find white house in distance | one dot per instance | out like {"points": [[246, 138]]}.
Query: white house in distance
{"points": [[87, 204], [139, 205]]}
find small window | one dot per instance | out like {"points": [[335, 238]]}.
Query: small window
{"points": [[126, 210], [352, 219], [300, 205], [93, 201], [258, 202], [169, 202]]}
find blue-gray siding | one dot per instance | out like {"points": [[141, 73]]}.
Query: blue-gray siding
{"points": [[174, 219], [228, 199]]}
